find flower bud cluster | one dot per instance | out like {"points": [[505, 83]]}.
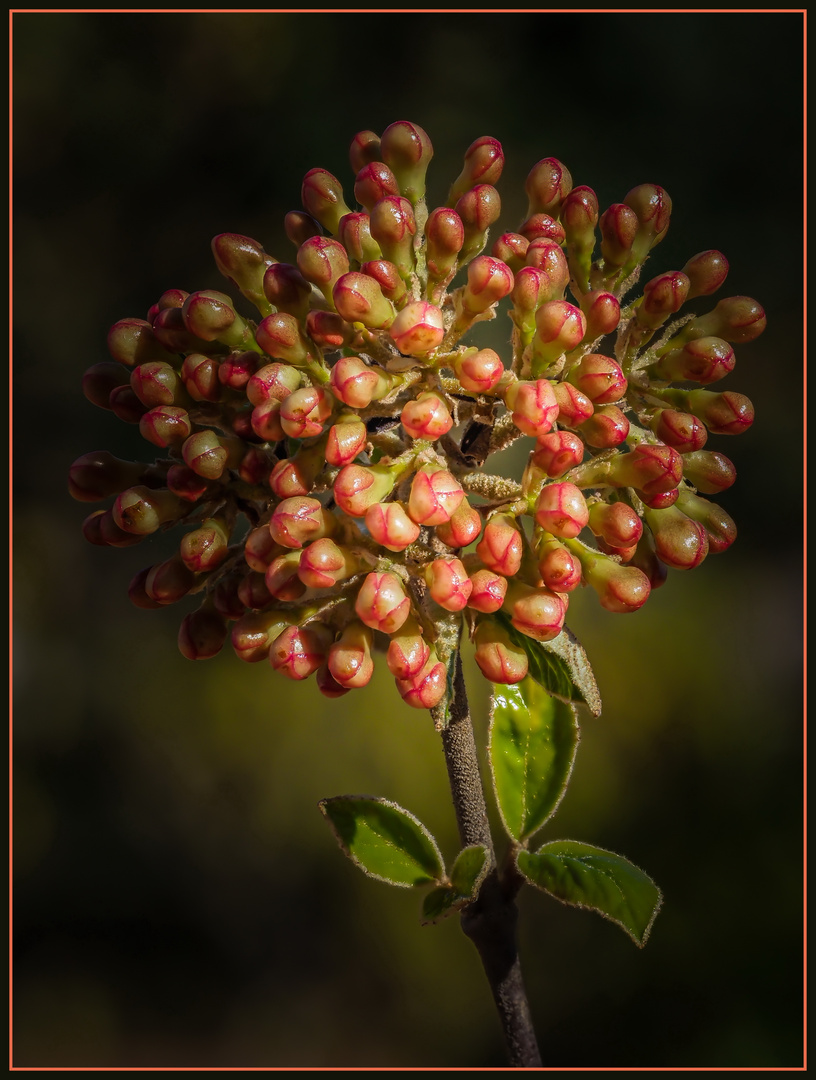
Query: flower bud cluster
{"points": [[326, 457]]}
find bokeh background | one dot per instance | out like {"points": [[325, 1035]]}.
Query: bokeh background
{"points": [[178, 899]]}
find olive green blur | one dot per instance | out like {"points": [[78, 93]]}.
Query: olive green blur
{"points": [[179, 898]]}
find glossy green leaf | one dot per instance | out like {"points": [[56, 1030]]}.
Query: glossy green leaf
{"points": [[466, 876], [593, 878], [561, 665], [533, 739], [384, 840]]}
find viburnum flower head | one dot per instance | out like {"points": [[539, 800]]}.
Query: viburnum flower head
{"points": [[329, 462]]}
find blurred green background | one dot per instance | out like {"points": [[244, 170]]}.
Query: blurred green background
{"points": [[179, 900]]}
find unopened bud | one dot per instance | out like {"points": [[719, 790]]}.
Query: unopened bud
{"points": [[418, 329], [547, 185], [322, 197], [426, 417], [484, 162], [381, 602], [561, 509], [500, 660], [537, 612], [298, 520], [350, 661], [709, 471], [407, 151], [390, 525]]}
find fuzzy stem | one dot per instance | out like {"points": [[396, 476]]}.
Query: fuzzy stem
{"points": [[490, 921]]}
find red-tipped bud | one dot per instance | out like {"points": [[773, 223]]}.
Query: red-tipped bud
{"points": [[719, 525], [502, 545], [662, 296], [328, 330], [355, 383], [680, 542], [407, 150], [561, 509], [435, 496], [381, 602], [287, 289], [574, 407], [418, 329], [304, 412], [350, 661], [489, 591], [244, 262], [166, 425], [489, 280], [619, 226], [706, 272], [579, 215], [374, 182], [202, 634], [322, 261], [346, 440], [533, 405], [444, 237], [273, 382], [704, 360], [100, 528], [143, 510], [182, 481], [511, 248], [358, 298], [723, 414], [559, 569], [557, 453], [681, 430], [169, 581], [538, 613], [560, 327], [323, 563], [425, 690], [606, 428], [737, 319], [265, 421], [200, 374], [387, 277], [543, 227], [133, 341], [171, 331], [327, 684], [355, 235], [448, 583], [365, 147], [138, 595], [484, 162], [393, 226], [620, 589], [547, 185], [500, 660], [281, 577], [661, 500], [357, 487], [297, 521], [426, 417], [616, 524], [547, 257], [709, 471], [210, 316], [322, 197], [602, 313], [300, 650], [652, 207], [237, 369], [99, 474], [599, 377], [478, 209], [254, 632], [390, 525], [208, 454], [463, 528], [295, 476], [156, 383], [280, 336], [206, 547], [650, 468], [407, 651], [478, 371], [260, 549], [300, 227]]}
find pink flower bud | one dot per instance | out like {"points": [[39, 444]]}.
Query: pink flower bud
{"points": [[543, 227], [602, 313], [260, 549], [328, 330], [353, 382], [448, 583], [599, 377], [606, 428], [560, 570], [680, 542], [619, 226], [560, 327], [327, 684], [355, 235], [350, 661], [685, 432], [723, 414], [463, 528], [387, 277], [651, 469], [253, 592], [407, 652], [202, 634], [719, 525], [444, 237], [156, 383], [479, 372], [511, 248], [299, 227], [357, 487], [298, 520], [266, 423], [254, 632], [304, 412], [365, 147], [165, 425], [322, 197], [287, 289], [484, 161], [323, 563], [169, 581], [426, 417], [502, 545], [418, 329], [280, 336], [500, 660], [407, 150], [652, 207], [534, 406], [489, 591], [616, 523], [143, 510], [206, 547], [425, 690], [281, 577], [358, 298], [478, 209], [393, 226], [704, 360], [561, 509], [346, 440], [662, 296], [182, 481], [547, 185], [390, 525], [538, 613], [435, 496], [208, 454], [132, 341], [574, 407], [381, 602], [488, 281], [272, 382], [620, 589], [706, 272], [201, 377], [557, 452], [299, 651], [323, 261], [374, 181], [709, 471], [237, 369]]}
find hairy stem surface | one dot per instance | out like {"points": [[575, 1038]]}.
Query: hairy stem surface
{"points": [[490, 921]]}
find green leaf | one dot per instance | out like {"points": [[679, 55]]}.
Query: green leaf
{"points": [[593, 878], [560, 665], [468, 872], [384, 840], [533, 739]]}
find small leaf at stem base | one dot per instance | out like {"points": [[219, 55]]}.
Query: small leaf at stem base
{"points": [[466, 876]]}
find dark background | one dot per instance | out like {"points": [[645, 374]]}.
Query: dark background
{"points": [[178, 899]]}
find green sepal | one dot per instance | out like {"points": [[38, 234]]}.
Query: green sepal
{"points": [[532, 744], [560, 665], [385, 841], [593, 878], [466, 876]]}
